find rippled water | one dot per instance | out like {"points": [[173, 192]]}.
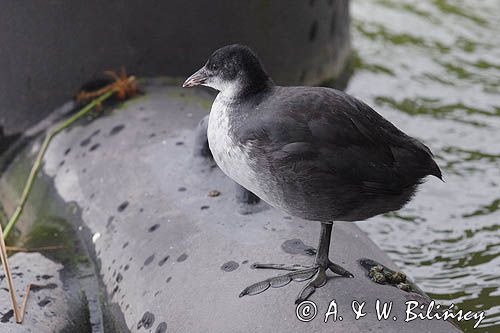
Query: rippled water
{"points": [[433, 68]]}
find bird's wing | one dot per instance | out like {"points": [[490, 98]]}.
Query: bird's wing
{"points": [[326, 133]]}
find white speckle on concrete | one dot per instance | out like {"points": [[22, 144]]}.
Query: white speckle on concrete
{"points": [[95, 237]]}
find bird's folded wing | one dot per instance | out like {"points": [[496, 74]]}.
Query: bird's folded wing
{"points": [[348, 141]]}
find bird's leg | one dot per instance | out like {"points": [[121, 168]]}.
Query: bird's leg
{"points": [[323, 263], [316, 272], [248, 202], [324, 249], [201, 148], [244, 196]]}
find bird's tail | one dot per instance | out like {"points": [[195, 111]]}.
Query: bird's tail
{"points": [[434, 170]]}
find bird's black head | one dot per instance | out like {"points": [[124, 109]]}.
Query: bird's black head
{"points": [[233, 70]]}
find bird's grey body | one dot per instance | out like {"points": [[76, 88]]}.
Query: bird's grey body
{"points": [[316, 153]]}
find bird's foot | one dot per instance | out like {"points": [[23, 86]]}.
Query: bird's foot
{"points": [[281, 267], [318, 281], [296, 273]]}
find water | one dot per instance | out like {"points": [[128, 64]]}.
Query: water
{"points": [[432, 67]]}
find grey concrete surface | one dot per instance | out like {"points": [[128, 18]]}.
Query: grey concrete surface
{"points": [[48, 50], [172, 258], [50, 307]]}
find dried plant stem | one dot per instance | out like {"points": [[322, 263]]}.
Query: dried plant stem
{"points": [[124, 86], [18, 311], [38, 162], [34, 249]]}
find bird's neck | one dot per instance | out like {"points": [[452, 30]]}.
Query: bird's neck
{"points": [[247, 88]]}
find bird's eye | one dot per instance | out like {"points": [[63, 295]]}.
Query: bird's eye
{"points": [[214, 67]]}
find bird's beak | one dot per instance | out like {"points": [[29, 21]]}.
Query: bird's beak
{"points": [[196, 79]]}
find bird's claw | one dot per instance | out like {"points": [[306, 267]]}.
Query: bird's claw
{"points": [[318, 282], [337, 269]]}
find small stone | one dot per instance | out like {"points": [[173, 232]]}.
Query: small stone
{"points": [[213, 193], [95, 237], [378, 277], [376, 269], [396, 277], [404, 286]]}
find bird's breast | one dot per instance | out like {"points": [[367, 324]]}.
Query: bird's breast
{"points": [[231, 157]]}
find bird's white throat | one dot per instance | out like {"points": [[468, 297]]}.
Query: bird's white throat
{"points": [[227, 89]]}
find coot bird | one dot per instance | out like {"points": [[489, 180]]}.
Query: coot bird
{"points": [[312, 152]]}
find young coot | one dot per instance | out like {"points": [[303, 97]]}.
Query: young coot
{"points": [[312, 152]]}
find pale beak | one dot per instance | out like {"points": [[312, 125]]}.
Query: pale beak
{"points": [[196, 79]]}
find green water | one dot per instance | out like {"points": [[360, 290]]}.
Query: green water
{"points": [[432, 67]]}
